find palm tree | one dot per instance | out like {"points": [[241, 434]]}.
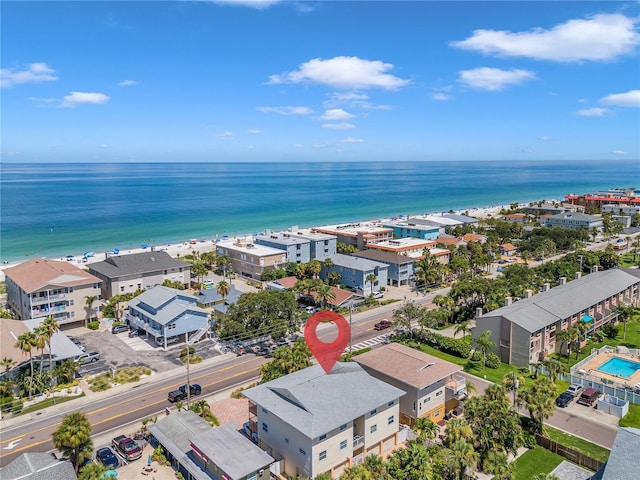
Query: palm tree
{"points": [[484, 344], [462, 458], [564, 336], [371, 279], [497, 464], [224, 262], [624, 313], [7, 363], [458, 430], [426, 429], [88, 302], [51, 326], [223, 288], [39, 342], [324, 293], [25, 343], [462, 327], [73, 438]]}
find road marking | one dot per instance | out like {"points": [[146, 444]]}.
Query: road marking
{"points": [[367, 343], [13, 444]]}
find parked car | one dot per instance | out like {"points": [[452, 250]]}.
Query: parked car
{"points": [[589, 396], [107, 458], [87, 358], [574, 389], [252, 435], [136, 332], [195, 389], [119, 328], [564, 399], [176, 396], [208, 282], [311, 309], [382, 324], [170, 340], [378, 294]]}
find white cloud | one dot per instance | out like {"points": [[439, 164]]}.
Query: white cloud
{"points": [[493, 79], [34, 73], [351, 140], [339, 126], [254, 132], [628, 99], [258, 4], [298, 145], [336, 114], [441, 96], [127, 83], [224, 135], [344, 73], [599, 38], [43, 100], [83, 98], [287, 110], [545, 138], [619, 152], [592, 112]]}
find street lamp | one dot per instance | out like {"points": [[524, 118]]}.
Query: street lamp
{"points": [[186, 341], [350, 321], [516, 384]]}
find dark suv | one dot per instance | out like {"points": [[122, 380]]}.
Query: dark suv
{"points": [[195, 389]]}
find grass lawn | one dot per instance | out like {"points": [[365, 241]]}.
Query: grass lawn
{"points": [[632, 418], [535, 461], [47, 403], [583, 446]]}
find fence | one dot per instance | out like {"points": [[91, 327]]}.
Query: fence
{"points": [[569, 453]]}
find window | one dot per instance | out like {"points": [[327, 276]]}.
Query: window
{"points": [[428, 399], [438, 393], [343, 426], [414, 407], [265, 427], [343, 445], [374, 411], [323, 455], [322, 437], [390, 420], [373, 429], [390, 403], [286, 440], [264, 410], [302, 451]]}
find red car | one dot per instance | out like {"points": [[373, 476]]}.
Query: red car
{"points": [[382, 324]]}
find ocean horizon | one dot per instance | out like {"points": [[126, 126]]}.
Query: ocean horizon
{"points": [[56, 209]]}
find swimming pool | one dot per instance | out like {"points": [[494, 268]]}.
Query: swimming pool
{"points": [[620, 367]]}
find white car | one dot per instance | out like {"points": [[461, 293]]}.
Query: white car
{"points": [[378, 294], [208, 282]]}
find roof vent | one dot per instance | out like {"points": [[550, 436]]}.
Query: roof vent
{"points": [[427, 366]]}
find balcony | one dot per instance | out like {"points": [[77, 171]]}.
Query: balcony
{"points": [[39, 300], [458, 386], [358, 441]]}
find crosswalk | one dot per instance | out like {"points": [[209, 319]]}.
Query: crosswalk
{"points": [[368, 343]]}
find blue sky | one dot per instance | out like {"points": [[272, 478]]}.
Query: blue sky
{"points": [[319, 81]]}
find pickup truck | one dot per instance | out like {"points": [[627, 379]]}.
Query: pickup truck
{"points": [[87, 358], [127, 448]]}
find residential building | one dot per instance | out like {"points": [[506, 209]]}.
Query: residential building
{"points": [[321, 245], [440, 221], [450, 242], [298, 249], [626, 196], [400, 268], [359, 234], [38, 466], [138, 271], [201, 452], [403, 229], [210, 299], [341, 298], [412, 247], [355, 270], [573, 221], [620, 464], [516, 217], [434, 387], [546, 208], [474, 237], [165, 312], [525, 331], [249, 259], [621, 209], [507, 249], [39, 288], [316, 422]]}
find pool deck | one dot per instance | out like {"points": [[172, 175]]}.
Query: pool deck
{"points": [[591, 367]]}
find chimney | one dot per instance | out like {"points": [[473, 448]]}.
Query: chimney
{"points": [[478, 312], [507, 301], [578, 275], [563, 281], [528, 293]]}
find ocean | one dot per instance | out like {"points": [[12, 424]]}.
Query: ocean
{"points": [[52, 210]]}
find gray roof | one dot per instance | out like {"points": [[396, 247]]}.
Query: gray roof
{"points": [[38, 466], [168, 303], [356, 263], [575, 216], [136, 263], [623, 455], [385, 257], [210, 295], [175, 431], [231, 451], [558, 303], [461, 218], [315, 403], [280, 239]]}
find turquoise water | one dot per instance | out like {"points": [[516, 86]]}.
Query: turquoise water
{"points": [[620, 367], [53, 210]]}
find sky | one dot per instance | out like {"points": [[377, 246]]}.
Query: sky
{"points": [[269, 80]]}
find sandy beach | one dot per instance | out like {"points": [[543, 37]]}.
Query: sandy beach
{"points": [[186, 247]]}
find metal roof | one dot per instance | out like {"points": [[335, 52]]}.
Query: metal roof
{"points": [[356, 263], [38, 466], [136, 263]]}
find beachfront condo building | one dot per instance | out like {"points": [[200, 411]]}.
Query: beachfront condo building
{"points": [[298, 250], [313, 422], [358, 234], [573, 221], [616, 196], [250, 259], [138, 271], [321, 245], [525, 331], [355, 273], [165, 313], [400, 268], [39, 288], [402, 229], [434, 387]]}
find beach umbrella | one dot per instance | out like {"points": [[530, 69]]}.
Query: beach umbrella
{"points": [[116, 250], [89, 254], [144, 245], [149, 460]]}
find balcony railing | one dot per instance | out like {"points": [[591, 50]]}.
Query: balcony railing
{"points": [[37, 300], [458, 385], [358, 441], [358, 459]]}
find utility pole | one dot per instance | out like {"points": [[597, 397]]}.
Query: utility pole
{"points": [[186, 340], [350, 321], [515, 388]]}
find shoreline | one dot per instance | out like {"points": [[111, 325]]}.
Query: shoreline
{"points": [[201, 246]]}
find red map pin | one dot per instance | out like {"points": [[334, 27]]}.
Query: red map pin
{"points": [[327, 354]]}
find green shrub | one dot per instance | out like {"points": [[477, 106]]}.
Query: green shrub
{"points": [[610, 331], [94, 325], [476, 357], [529, 439], [492, 361]]}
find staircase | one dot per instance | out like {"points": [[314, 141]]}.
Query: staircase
{"points": [[198, 335]]}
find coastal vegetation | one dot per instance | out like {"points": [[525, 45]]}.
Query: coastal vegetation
{"points": [[106, 380]]}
